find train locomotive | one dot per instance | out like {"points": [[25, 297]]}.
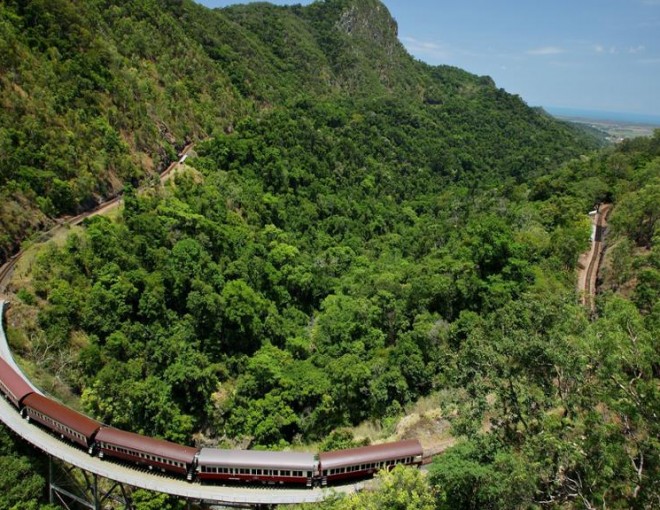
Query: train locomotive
{"points": [[202, 464]]}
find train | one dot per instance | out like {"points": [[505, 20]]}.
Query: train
{"points": [[204, 465]]}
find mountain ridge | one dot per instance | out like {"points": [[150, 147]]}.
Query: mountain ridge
{"points": [[104, 93]]}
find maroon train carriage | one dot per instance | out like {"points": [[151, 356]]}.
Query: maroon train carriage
{"points": [[257, 466], [61, 420], [367, 460], [12, 384], [154, 453]]}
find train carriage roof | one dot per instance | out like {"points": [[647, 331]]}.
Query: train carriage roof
{"points": [[14, 382], [68, 417], [257, 459], [369, 454], [145, 444]]}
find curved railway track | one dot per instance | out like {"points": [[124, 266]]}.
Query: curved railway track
{"points": [[121, 473], [53, 442]]}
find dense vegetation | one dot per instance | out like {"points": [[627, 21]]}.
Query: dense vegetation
{"points": [[574, 422], [96, 94], [360, 230]]}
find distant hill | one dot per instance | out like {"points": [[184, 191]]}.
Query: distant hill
{"points": [[97, 94]]}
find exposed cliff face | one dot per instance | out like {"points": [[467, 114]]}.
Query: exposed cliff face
{"points": [[370, 55], [373, 35], [371, 21]]}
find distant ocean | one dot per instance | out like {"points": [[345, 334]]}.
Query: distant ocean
{"points": [[629, 118]]}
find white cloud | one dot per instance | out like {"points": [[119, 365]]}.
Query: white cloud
{"points": [[545, 50], [638, 49], [434, 49], [612, 50]]}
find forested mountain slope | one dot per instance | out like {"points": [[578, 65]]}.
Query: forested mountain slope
{"points": [[96, 94], [357, 230]]}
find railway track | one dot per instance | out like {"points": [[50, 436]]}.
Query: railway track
{"points": [[6, 271], [7, 268], [596, 256]]}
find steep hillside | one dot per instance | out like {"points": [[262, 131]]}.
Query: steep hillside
{"points": [[94, 95], [356, 230], [97, 94]]}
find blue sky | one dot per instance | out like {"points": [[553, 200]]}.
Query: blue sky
{"points": [[585, 54]]}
